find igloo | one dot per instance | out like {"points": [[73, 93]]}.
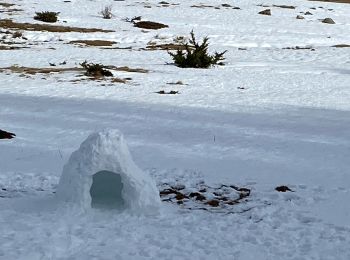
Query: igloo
{"points": [[102, 174]]}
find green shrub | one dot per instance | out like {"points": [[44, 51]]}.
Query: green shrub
{"points": [[195, 55], [48, 17], [95, 70]]}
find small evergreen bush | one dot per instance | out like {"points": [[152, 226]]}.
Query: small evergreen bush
{"points": [[48, 17], [95, 70], [195, 55]]}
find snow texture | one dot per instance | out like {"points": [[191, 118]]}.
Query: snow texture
{"points": [[274, 115], [101, 152]]}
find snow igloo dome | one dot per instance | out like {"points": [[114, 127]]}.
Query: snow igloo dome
{"points": [[102, 174]]}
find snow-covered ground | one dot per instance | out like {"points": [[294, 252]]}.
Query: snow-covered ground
{"points": [[273, 115]]}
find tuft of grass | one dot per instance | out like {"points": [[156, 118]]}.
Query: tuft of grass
{"points": [[195, 55], [17, 34], [106, 12], [48, 17], [95, 70]]}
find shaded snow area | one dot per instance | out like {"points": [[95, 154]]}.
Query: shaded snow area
{"points": [[250, 159]]}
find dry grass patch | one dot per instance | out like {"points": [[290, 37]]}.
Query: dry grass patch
{"points": [[6, 4], [97, 43], [11, 10], [166, 46], [127, 69], [33, 71], [23, 71], [9, 24]]}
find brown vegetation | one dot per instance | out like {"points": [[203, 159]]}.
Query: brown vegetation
{"points": [[9, 24], [93, 42], [333, 1]]}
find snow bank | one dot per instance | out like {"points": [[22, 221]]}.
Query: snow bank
{"points": [[102, 174]]}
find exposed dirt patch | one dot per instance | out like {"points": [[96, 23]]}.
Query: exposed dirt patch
{"points": [[150, 25], [9, 24], [23, 71], [11, 10], [7, 47], [33, 71], [167, 47], [285, 6], [127, 69], [97, 43], [341, 46], [333, 1], [6, 4]]}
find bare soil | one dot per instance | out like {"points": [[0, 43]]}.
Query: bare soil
{"points": [[9, 24], [97, 43], [333, 1]]}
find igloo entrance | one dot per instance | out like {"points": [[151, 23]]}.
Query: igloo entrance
{"points": [[106, 190]]}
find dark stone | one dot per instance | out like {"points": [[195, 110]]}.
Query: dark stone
{"points": [[6, 135], [328, 21], [265, 12], [282, 188], [213, 203]]}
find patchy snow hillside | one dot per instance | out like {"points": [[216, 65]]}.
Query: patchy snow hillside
{"points": [[276, 114]]}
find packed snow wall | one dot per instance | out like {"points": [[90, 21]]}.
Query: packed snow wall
{"points": [[102, 174]]}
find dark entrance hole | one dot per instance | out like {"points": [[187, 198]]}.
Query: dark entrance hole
{"points": [[106, 190]]}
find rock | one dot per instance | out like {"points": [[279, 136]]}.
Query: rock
{"points": [[213, 203], [197, 195], [6, 135], [282, 188], [328, 20], [180, 196], [265, 12], [167, 192], [308, 13], [300, 17]]}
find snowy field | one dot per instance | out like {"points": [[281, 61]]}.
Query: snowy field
{"points": [[277, 113]]}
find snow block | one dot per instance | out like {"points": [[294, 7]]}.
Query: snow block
{"points": [[102, 174]]}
